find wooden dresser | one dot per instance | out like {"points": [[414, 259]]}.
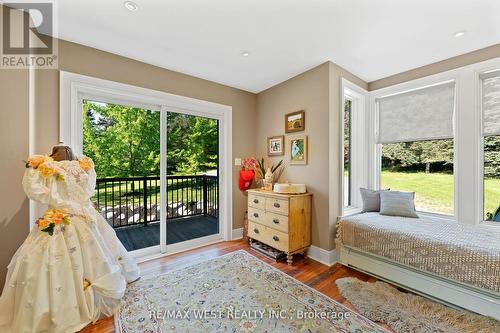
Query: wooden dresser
{"points": [[282, 221]]}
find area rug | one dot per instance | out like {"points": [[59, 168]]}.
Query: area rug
{"points": [[233, 293], [406, 312]]}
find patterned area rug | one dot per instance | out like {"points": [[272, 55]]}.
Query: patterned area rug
{"points": [[233, 293], [406, 312]]}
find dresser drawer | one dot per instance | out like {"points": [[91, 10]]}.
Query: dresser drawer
{"points": [[256, 201], [269, 236], [276, 205], [276, 221], [256, 215]]}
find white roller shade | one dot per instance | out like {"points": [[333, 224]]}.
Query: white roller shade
{"points": [[491, 103], [422, 114]]}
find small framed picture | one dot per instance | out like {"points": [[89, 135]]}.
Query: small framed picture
{"points": [[298, 149], [276, 145], [295, 121]]}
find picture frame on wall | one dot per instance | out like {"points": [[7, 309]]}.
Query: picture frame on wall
{"points": [[276, 145], [295, 121], [298, 150]]}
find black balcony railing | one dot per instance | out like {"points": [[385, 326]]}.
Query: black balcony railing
{"points": [[136, 200]]}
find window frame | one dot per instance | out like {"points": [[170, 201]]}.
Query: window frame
{"points": [[468, 139], [74, 88], [358, 144], [480, 174]]}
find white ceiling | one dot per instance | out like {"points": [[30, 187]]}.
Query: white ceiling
{"points": [[205, 38]]}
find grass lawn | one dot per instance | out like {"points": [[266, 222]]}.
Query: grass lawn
{"points": [[434, 191]]}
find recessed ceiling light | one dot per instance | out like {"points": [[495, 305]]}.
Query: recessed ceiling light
{"points": [[130, 5], [459, 33], [245, 53]]}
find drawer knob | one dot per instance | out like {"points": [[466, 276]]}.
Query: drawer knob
{"points": [[276, 238], [276, 221], [256, 230], [255, 215], [256, 201], [277, 205]]}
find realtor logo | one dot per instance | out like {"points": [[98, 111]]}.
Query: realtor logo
{"points": [[27, 30]]}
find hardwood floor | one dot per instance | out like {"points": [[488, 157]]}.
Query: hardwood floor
{"points": [[306, 270]]}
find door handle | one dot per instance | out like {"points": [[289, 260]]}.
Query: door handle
{"points": [[276, 238], [277, 205]]}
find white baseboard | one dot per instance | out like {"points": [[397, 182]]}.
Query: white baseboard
{"points": [[237, 234], [326, 257]]}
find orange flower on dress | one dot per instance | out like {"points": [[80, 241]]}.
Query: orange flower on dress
{"points": [[43, 224], [47, 169], [35, 161], [50, 219], [86, 163]]}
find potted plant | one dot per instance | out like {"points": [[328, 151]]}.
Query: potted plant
{"points": [[269, 174]]}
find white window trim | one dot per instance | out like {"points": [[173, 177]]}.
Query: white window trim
{"points": [[359, 107], [75, 87], [468, 152], [487, 67]]}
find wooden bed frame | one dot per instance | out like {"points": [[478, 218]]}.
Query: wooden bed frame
{"points": [[446, 291]]}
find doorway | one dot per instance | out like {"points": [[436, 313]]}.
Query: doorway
{"points": [[161, 162]]}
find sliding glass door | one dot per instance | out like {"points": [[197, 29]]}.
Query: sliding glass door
{"points": [[157, 174]]}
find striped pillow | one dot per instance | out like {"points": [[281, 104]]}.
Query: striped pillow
{"points": [[396, 203]]}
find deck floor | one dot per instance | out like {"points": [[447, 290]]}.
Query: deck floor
{"points": [[178, 230]]}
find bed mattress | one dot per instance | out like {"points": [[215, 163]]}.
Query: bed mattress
{"points": [[469, 255]]}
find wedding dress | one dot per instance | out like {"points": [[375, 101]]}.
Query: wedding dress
{"points": [[71, 269]]}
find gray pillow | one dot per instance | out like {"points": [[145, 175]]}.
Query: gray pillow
{"points": [[371, 199], [396, 203]]}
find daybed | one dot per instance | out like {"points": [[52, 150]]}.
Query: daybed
{"points": [[452, 263]]}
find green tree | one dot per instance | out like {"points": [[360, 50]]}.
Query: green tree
{"points": [[122, 141], [492, 156], [125, 141], [415, 155]]}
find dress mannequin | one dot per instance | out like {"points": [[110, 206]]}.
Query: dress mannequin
{"points": [[72, 269]]}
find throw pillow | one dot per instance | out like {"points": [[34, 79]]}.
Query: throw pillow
{"points": [[395, 203]]}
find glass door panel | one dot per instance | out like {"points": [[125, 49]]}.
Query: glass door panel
{"points": [[124, 143], [192, 177]]}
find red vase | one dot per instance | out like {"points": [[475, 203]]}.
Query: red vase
{"points": [[246, 179]]}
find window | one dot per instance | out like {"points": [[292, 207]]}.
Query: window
{"points": [[491, 146], [417, 151], [347, 152], [423, 167], [353, 139]]}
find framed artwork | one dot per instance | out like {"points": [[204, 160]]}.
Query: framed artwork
{"points": [[298, 149], [276, 145], [295, 121]]}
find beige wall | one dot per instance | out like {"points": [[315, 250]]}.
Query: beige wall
{"points": [[14, 144], [316, 91], [14, 213], [438, 67]]}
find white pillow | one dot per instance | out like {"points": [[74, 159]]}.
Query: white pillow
{"points": [[396, 203], [371, 199]]}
